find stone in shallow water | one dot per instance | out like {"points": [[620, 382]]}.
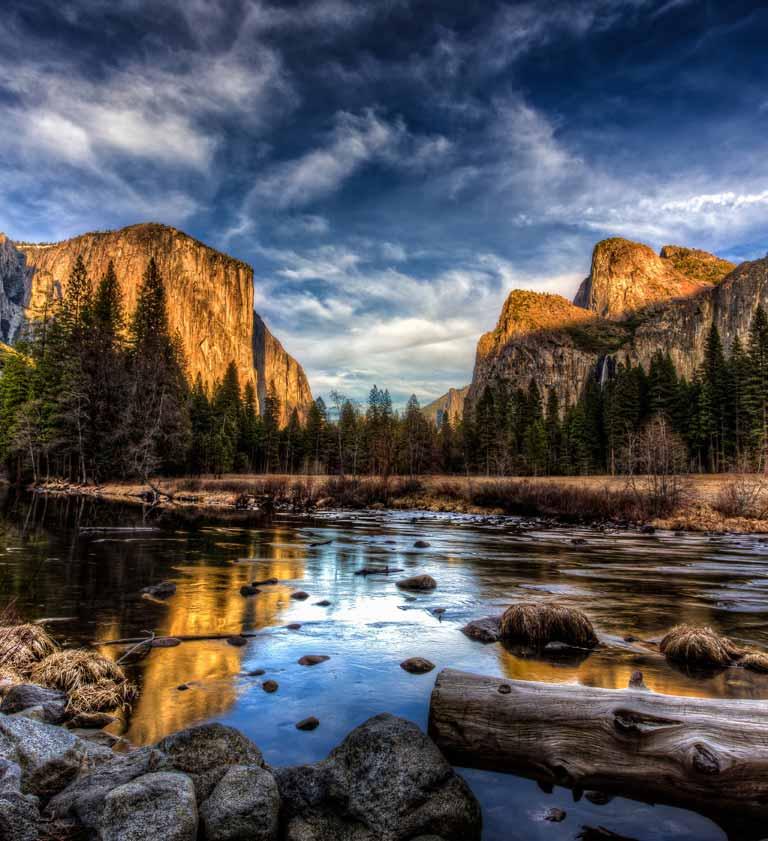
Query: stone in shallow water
{"points": [[300, 595], [244, 806], [160, 805], [310, 723], [417, 665], [418, 582], [312, 659], [270, 686], [386, 781], [484, 630]]}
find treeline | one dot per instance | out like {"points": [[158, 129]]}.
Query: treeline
{"points": [[90, 395]]}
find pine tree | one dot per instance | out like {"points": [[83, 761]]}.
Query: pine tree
{"points": [[757, 387], [713, 399]]}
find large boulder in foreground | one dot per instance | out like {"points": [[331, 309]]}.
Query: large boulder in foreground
{"points": [[19, 812], [387, 781], [206, 751], [160, 805], [49, 757], [85, 796], [244, 806]]}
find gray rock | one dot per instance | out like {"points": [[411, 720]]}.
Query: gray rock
{"points": [[387, 781], [160, 805], [49, 757], [18, 812], [244, 806], [23, 696], [484, 630], [84, 797], [206, 752]]}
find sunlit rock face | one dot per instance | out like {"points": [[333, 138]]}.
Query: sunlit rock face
{"points": [[451, 404], [626, 276], [633, 303], [210, 298], [279, 370]]}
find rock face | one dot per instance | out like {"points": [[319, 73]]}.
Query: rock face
{"points": [[278, 370], [209, 294], [626, 276], [451, 404], [633, 303]]}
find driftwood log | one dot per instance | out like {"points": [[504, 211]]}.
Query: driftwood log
{"points": [[708, 755]]}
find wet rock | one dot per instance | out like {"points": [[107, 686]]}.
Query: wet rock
{"points": [[237, 640], [323, 603], [312, 659], [49, 757], [636, 681], [94, 721], [206, 751], [484, 630], [265, 582], [294, 626], [256, 672], [160, 805], [183, 687], [417, 665], [19, 812], [437, 611], [555, 815], [165, 642], [25, 695], [299, 595], [421, 544], [270, 686], [386, 781], [599, 798], [378, 570], [249, 590], [84, 797], [310, 723], [160, 591], [244, 806], [418, 582], [504, 689]]}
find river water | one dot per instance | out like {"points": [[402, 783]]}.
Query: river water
{"points": [[67, 560]]}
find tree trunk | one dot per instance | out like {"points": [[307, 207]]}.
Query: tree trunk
{"points": [[709, 755]]}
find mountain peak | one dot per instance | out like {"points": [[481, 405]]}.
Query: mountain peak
{"points": [[626, 276]]}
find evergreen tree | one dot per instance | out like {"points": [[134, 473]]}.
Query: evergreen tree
{"points": [[757, 387]]}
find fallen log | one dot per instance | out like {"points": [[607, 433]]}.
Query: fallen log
{"points": [[708, 755]]}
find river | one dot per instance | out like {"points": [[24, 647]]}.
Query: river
{"points": [[70, 561]]}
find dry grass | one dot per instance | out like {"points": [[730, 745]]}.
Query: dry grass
{"points": [[536, 625], [699, 647], [586, 498], [93, 683], [22, 645], [9, 675]]}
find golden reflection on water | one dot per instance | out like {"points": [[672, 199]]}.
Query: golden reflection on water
{"points": [[209, 667]]}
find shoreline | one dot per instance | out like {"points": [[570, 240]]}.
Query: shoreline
{"points": [[594, 501]]}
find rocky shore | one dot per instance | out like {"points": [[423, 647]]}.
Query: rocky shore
{"points": [[387, 781]]}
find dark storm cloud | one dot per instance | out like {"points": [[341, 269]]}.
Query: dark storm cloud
{"points": [[391, 169]]}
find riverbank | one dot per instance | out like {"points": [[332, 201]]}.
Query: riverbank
{"points": [[704, 503]]}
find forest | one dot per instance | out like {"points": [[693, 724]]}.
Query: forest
{"points": [[90, 394]]}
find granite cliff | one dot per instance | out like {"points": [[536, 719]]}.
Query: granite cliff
{"points": [[633, 303], [451, 403], [210, 300]]}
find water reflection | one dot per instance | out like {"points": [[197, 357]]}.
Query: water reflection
{"points": [[58, 563]]}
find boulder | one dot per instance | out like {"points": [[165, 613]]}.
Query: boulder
{"points": [[49, 757], [160, 805], [387, 781], [484, 630], [206, 751], [244, 806], [19, 812], [25, 695], [84, 798]]}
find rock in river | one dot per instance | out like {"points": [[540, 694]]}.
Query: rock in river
{"points": [[417, 665], [418, 582], [310, 723], [484, 630], [386, 781], [312, 659]]}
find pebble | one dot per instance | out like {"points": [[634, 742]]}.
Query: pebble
{"points": [[312, 659], [310, 723], [269, 686], [300, 595], [417, 665]]}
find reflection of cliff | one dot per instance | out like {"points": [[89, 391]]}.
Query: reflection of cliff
{"points": [[613, 669], [207, 601]]}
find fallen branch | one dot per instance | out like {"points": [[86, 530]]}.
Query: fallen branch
{"points": [[709, 755], [182, 637]]}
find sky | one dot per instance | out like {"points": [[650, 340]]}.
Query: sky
{"points": [[391, 169]]}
